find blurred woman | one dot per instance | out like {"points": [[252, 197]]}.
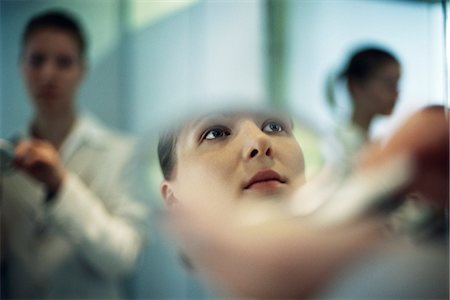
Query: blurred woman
{"points": [[365, 88], [69, 227], [371, 76]]}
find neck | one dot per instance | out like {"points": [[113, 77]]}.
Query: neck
{"points": [[362, 119], [54, 128]]}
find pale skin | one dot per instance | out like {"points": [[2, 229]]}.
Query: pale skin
{"points": [[281, 259], [219, 156], [52, 68]]}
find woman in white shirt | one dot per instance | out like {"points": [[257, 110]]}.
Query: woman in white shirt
{"points": [[69, 227]]}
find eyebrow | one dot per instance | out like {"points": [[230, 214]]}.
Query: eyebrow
{"points": [[193, 127]]}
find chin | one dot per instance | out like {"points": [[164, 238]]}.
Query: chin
{"points": [[277, 194]]}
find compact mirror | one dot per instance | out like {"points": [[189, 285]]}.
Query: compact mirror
{"points": [[148, 174]]}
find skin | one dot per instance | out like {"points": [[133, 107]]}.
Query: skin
{"points": [[281, 259], [219, 155], [375, 96], [52, 69]]}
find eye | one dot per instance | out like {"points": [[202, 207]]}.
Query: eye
{"points": [[216, 133], [36, 60], [64, 62], [273, 126]]}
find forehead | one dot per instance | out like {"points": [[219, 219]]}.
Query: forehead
{"points": [[390, 66], [49, 38], [393, 68]]}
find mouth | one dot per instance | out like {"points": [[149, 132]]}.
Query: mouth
{"points": [[265, 180], [48, 88], [48, 93]]}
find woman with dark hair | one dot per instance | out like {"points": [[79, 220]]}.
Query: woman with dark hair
{"points": [[372, 76], [69, 227], [365, 88]]}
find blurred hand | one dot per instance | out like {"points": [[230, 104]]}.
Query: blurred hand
{"points": [[281, 258], [40, 160], [424, 137]]}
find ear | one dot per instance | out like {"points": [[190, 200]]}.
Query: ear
{"points": [[355, 88], [168, 194]]}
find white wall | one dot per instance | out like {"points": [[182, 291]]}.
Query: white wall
{"points": [[321, 34], [206, 55]]}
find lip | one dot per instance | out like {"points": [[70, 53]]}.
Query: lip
{"points": [[266, 179], [48, 92]]}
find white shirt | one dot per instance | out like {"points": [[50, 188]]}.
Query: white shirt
{"points": [[343, 143], [82, 243]]}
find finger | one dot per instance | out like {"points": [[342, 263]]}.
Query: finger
{"points": [[22, 153], [41, 143], [29, 154], [22, 148]]}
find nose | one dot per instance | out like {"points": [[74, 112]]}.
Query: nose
{"points": [[48, 72], [257, 144]]}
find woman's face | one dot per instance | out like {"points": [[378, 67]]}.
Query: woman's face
{"points": [[52, 69], [380, 91], [235, 157]]}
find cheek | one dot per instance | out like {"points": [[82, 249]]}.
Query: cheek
{"points": [[32, 85], [30, 78], [72, 80], [374, 98], [207, 179], [385, 100], [293, 159], [374, 91], [391, 94]]}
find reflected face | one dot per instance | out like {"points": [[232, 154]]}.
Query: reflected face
{"points": [[52, 69], [380, 91], [235, 157]]}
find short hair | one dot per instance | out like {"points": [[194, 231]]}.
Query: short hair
{"points": [[56, 19], [365, 62]]}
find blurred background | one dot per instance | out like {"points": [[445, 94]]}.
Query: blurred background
{"points": [[149, 59]]}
